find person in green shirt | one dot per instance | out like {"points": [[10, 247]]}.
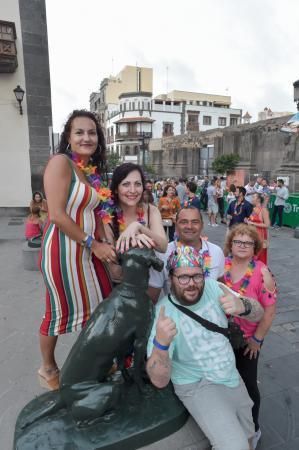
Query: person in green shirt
{"points": [[201, 363]]}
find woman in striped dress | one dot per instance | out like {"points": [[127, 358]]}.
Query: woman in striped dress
{"points": [[73, 290]]}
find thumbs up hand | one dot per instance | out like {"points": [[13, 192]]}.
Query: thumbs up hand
{"points": [[165, 328]]}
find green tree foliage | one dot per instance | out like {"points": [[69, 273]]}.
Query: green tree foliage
{"points": [[113, 160], [149, 170], [225, 163]]}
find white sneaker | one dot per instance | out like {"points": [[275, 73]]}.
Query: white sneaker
{"points": [[214, 225], [256, 438], [209, 223]]}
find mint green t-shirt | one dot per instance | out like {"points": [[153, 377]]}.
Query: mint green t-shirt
{"points": [[196, 352]]}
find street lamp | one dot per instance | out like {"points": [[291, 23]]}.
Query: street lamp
{"points": [[296, 93], [19, 93], [145, 137]]}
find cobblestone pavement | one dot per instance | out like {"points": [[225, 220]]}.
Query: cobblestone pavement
{"points": [[22, 305]]}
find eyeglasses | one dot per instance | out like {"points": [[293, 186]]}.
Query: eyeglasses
{"points": [[245, 244], [185, 279]]}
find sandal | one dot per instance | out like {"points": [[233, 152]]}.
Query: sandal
{"points": [[52, 383]]}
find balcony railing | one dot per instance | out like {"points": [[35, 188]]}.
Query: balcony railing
{"points": [[132, 135]]}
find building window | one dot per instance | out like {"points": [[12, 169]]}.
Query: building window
{"points": [[167, 129], [120, 107], [136, 150], [192, 124], [127, 150], [222, 121], [207, 120], [133, 106], [233, 121]]}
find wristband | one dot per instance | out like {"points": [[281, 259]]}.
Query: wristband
{"points": [[258, 341], [160, 346], [87, 241]]}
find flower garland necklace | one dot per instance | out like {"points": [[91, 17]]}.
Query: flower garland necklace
{"points": [[245, 279], [207, 260], [89, 171], [108, 209]]}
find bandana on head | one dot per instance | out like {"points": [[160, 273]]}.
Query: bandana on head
{"points": [[184, 256]]}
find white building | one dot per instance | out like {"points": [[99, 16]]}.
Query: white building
{"points": [[137, 117], [269, 114], [24, 131]]}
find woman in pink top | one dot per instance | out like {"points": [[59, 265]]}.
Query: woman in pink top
{"points": [[251, 278], [33, 224]]}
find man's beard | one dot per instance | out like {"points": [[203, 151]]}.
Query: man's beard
{"points": [[183, 300]]}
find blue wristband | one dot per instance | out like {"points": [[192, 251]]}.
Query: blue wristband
{"points": [[160, 346], [88, 241], [258, 341]]}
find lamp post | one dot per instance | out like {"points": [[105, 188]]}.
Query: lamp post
{"points": [[19, 93], [145, 137], [296, 93]]}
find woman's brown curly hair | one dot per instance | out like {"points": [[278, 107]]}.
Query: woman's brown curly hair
{"points": [[242, 229]]}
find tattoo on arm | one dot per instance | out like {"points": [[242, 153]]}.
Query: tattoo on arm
{"points": [[159, 370], [257, 310]]}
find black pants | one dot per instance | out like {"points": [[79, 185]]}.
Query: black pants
{"points": [[204, 201], [220, 202], [248, 370], [170, 232], [277, 210]]}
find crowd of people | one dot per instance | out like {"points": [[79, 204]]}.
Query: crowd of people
{"points": [[89, 224]]}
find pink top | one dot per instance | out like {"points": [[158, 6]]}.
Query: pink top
{"points": [[257, 290], [32, 229]]}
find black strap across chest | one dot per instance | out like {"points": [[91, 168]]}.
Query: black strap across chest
{"points": [[211, 326]]}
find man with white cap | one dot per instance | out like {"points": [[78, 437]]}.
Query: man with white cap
{"points": [[200, 362]]}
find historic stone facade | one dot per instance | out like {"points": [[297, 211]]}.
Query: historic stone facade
{"points": [[38, 87], [262, 148]]}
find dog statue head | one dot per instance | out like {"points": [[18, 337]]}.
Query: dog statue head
{"points": [[136, 263]]}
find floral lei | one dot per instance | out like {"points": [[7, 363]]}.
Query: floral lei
{"points": [[207, 260], [108, 209], [245, 279]]}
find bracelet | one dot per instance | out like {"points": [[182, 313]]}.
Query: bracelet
{"points": [[87, 241], [160, 346], [258, 341]]}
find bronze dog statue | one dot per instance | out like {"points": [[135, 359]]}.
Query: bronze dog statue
{"points": [[120, 323]]}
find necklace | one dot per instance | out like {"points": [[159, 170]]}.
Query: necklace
{"points": [[245, 279], [89, 171], [121, 220], [207, 259], [236, 213]]}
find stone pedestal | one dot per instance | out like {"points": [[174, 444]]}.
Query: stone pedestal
{"points": [[30, 257], [189, 437]]}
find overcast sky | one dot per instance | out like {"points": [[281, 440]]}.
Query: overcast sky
{"points": [[246, 49]]}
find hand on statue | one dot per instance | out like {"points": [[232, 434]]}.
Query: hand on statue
{"points": [[165, 328], [127, 237], [142, 240]]}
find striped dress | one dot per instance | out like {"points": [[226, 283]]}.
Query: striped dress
{"points": [[73, 290]]}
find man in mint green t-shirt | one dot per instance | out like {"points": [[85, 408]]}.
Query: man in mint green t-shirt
{"points": [[201, 363]]}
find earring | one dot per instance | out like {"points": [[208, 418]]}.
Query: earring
{"points": [[68, 149]]}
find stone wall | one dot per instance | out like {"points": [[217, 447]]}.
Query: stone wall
{"points": [[38, 89], [262, 148]]}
